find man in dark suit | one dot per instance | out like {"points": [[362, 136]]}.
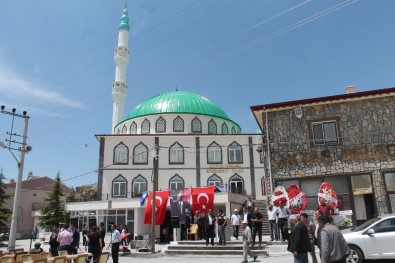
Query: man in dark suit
{"points": [[76, 238], [209, 221], [299, 242]]}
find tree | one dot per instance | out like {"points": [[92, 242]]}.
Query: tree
{"points": [[53, 212], [4, 211]]}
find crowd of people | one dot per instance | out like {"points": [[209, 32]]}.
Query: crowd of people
{"points": [[68, 238]]}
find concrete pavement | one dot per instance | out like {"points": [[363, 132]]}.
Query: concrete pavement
{"points": [[277, 254]]}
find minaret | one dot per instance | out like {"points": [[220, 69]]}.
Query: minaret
{"points": [[121, 57]]}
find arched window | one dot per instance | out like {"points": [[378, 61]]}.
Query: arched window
{"points": [[196, 125], [160, 125], [139, 185], [119, 186], [212, 127], [214, 180], [178, 124], [121, 154], [235, 153], [176, 182], [214, 153], [140, 154], [118, 131], [236, 184], [133, 128], [224, 128], [145, 126], [176, 154], [233, 130], [124, 129]]}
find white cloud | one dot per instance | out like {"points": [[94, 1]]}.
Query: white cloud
{"points": [[14, 86]]}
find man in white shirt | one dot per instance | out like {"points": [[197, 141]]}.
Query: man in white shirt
{"points": [[235, 220], [115, 241], [272, 216], [283, 214]]}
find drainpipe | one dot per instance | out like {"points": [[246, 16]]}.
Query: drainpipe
{"points": [[268, 152]]}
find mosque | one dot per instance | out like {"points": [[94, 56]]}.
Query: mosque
{"points": [[188, 139]]}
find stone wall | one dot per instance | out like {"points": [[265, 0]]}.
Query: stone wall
{"points": [[366, 131]]}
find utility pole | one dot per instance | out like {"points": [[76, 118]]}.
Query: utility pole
{"points": [[24, 148], [154, 189]]}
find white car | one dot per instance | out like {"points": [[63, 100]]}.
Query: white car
{"points": [[374, 239]]}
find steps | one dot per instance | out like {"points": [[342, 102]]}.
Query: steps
{"points": [[234, 247]]}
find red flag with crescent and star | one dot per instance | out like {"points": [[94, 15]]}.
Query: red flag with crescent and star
{"points": [[160, 207], [203, 198]]}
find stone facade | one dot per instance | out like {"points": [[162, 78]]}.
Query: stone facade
{"points": [[364, 143]]}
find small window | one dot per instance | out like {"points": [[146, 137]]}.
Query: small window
{"points": [[233, 130], [119, 186], [214, 153], [324, 133], [145, 126], [133, 128], [140, 154], [176, 183], [214, 180], [160, 125], [196, 125], [212, 127], [224, 128], [124, 129], [139, 185], [176, 154], [178, 124], [121, 154], [235, 153]]}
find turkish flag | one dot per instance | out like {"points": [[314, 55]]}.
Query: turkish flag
{"points": [[160, 208], [203, 198]]}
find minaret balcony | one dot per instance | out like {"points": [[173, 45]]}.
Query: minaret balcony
{"points": [[121, 52], [119, 87]]}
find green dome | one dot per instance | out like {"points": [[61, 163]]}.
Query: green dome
{"points": [[178, 102]]}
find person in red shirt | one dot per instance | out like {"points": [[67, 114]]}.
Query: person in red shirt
{"points": [[325, 209]]}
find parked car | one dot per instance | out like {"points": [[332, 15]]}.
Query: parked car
{"points": [[374, 239]]}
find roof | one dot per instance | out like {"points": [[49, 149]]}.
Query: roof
{"points": [[39, 183], [178, 102], [124, 21], [333, 98]]}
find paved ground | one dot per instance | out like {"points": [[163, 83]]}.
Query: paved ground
{"points": [[277, 254]]}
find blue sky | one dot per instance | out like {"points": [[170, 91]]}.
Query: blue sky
{"points": [[56, 62]]}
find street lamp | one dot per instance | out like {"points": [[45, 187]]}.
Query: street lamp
{"points": [[24, 148]]}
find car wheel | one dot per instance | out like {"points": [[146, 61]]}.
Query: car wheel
{"points": [[355, 256]]}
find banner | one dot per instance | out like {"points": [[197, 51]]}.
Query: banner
{"points": [[203, 199], [180, 203], [160, 208]]}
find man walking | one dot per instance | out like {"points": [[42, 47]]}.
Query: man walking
{"points": [[283, 214], [333, 246], [311, 230], [299, 243], [247, 240], [257, 219], [115, 241]]}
